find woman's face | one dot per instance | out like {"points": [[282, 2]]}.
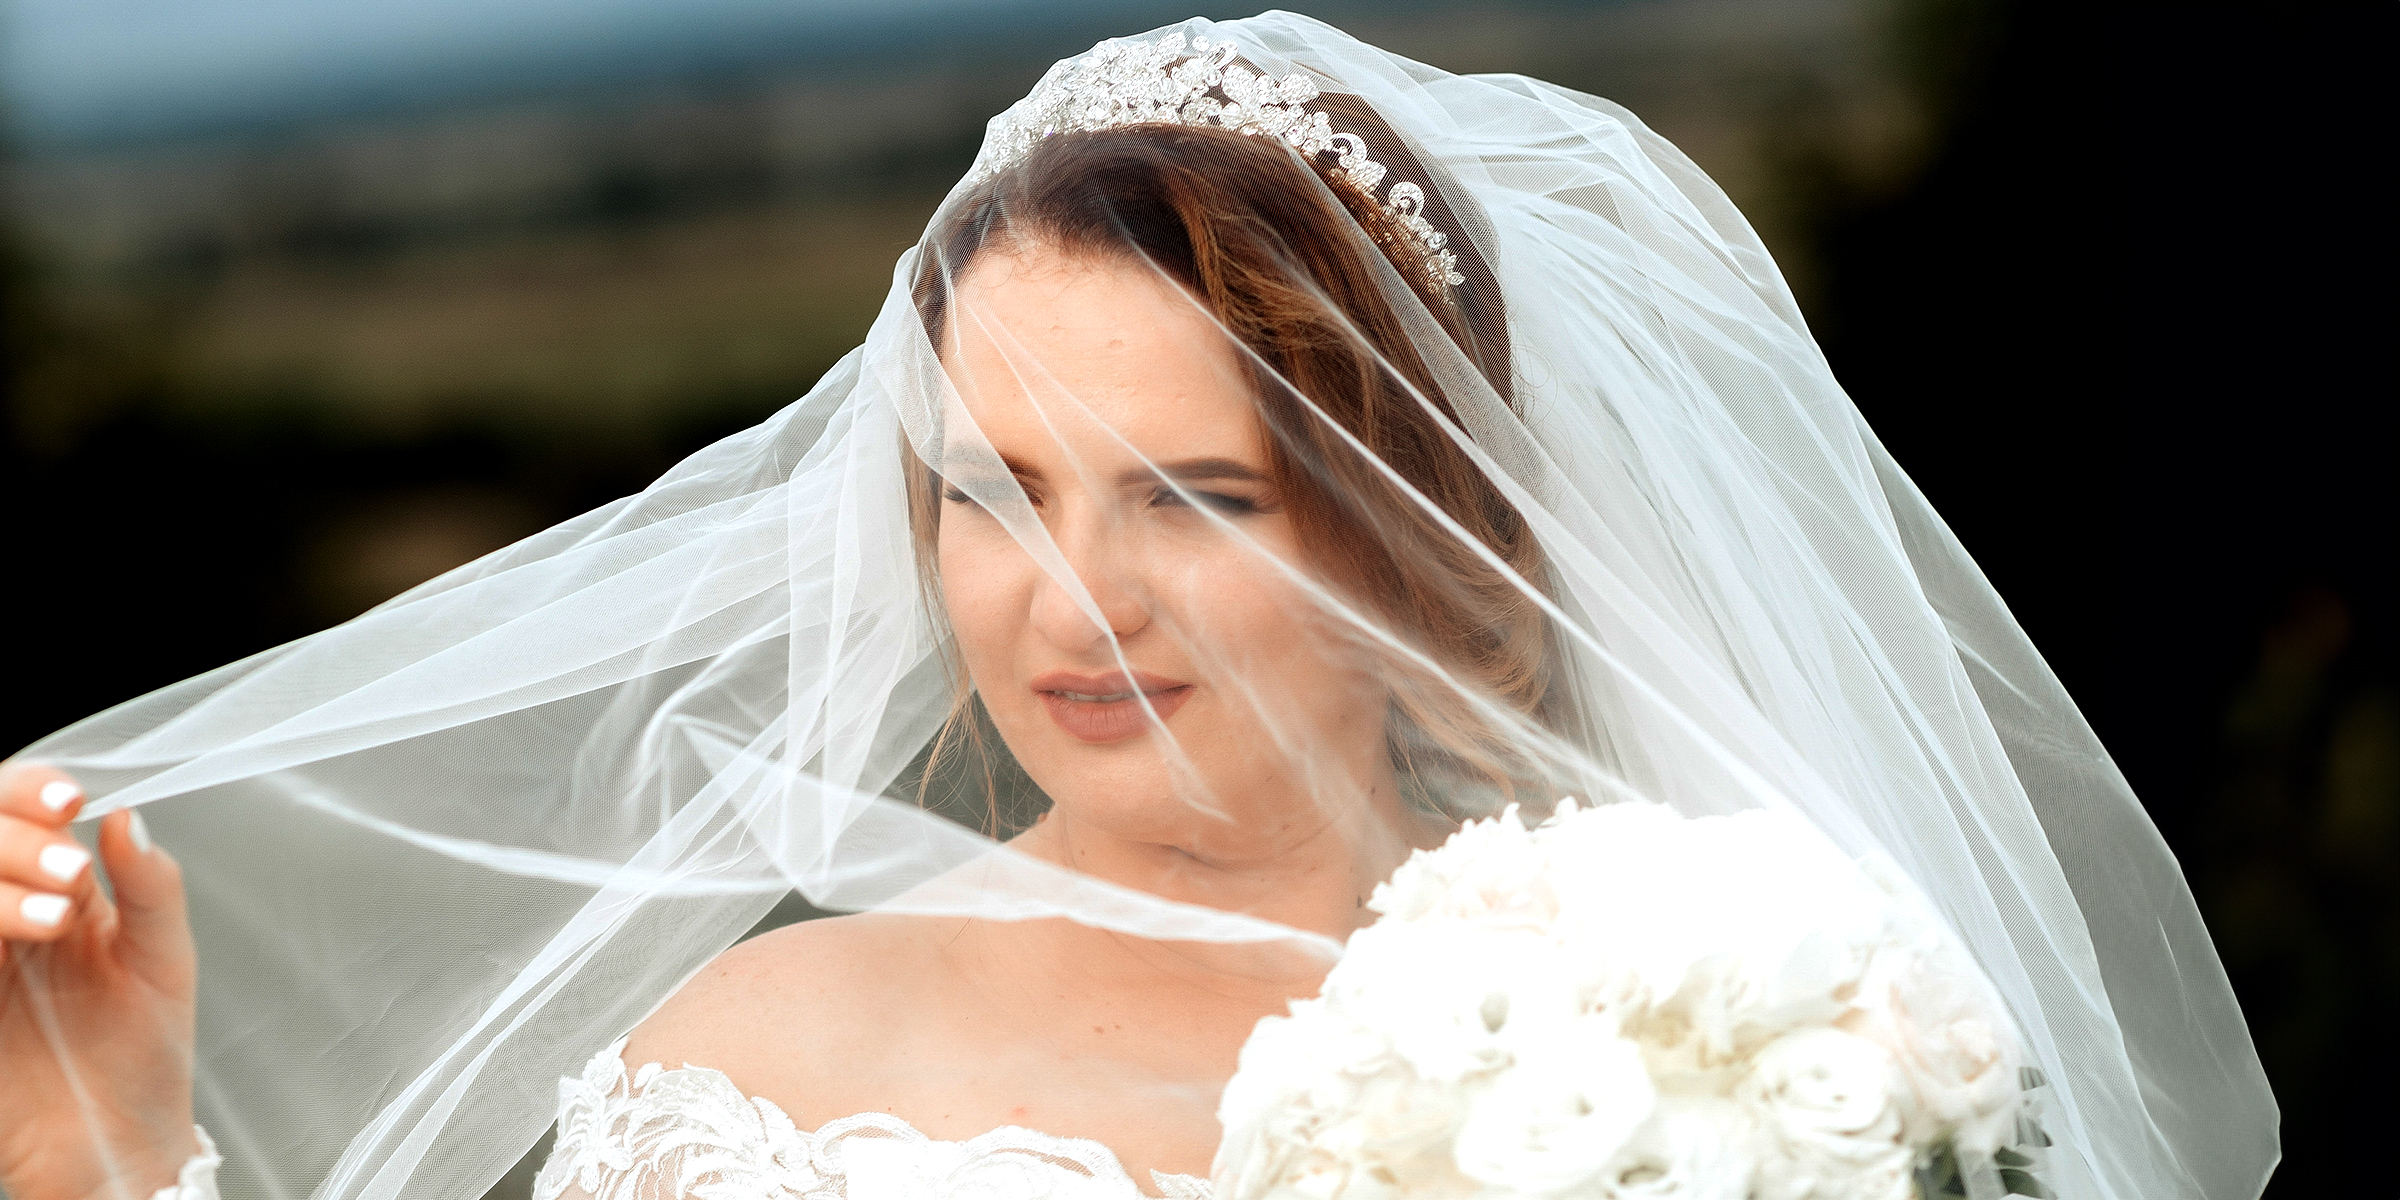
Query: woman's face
{"points": [[1101, 386]]}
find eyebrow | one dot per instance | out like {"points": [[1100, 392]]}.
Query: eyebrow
{"points": [[1193, 470]]}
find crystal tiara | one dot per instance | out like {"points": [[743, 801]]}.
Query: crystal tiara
{"points": [[1168, 82]]}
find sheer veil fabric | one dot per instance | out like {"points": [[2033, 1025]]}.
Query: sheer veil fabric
{"points": [[440, 854]]}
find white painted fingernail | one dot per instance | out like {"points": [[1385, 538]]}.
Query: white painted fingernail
{"points": [[42, 908], [140, 832], [59, 793], [64, 863]]}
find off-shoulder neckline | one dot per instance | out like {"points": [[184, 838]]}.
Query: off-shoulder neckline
{"points": [[1092, 1156]]}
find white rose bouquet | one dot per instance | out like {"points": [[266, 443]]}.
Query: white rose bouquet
{"points": [[1624, 1002]]}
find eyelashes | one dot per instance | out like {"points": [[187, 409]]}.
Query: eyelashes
{"points": [[1224, 503], [1229, 505]]}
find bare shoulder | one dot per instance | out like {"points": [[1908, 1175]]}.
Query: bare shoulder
{"points": [[794, 1004]]}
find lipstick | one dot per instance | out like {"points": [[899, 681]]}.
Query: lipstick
{"points": [[1108, 707]]}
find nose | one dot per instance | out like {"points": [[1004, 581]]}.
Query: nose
{"points": [[1102, 566]]}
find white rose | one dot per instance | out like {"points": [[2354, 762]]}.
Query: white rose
{"points": [[1951, 1042], [1391, 1140], [1393, 1118], [1691, 1148], [1832, 1114], [1930, 1004], [1492, 872], [1553, 1120], [1444, 993], [1735, 927], [1310, 1059], [1966, 1079]]}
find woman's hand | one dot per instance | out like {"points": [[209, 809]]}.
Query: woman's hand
{"points": [[95, 1002]]}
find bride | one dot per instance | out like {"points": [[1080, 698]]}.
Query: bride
{"points": [[1275, 453]]}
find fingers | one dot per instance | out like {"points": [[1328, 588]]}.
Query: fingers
{"points": [[153, 930], [28, 915], [45, 872], [48, 889], [42, 795], [35, 858]]}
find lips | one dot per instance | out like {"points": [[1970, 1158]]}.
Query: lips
{"points": [[1108, 707]]}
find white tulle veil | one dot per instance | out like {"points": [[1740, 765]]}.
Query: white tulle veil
{"points": [[440, 854]]}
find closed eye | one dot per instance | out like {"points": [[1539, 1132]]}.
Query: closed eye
{"points": [[957, 495], [1223, 502]]}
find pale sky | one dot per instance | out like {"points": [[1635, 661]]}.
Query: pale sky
{"points": [[70, 64]]}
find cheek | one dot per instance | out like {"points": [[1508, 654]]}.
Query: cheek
{"points": [[1292, 662], [982, 594]]}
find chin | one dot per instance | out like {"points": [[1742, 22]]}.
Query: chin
{"points": [[1203, 791], [1133, 791]]}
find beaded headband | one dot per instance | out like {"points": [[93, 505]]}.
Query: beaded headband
{"points": [[1143, 83]]}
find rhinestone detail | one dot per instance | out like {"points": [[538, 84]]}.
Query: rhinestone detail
{"points": [[1172, 81]]}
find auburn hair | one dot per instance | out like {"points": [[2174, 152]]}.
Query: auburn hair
{"points": [[1243, 225]]}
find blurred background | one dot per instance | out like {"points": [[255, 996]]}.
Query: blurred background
{"points": [[301, 304]]}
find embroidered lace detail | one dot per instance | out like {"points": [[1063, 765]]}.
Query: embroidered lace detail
{"points": [[198, 1178], [655, 1134]]}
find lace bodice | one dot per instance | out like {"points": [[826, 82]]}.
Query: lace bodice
{"points": [[656, 1134]]}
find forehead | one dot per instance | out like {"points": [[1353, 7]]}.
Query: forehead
{"points": [[1046, 348]]}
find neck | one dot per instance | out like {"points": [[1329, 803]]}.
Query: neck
{"points": [[1311, 875]]}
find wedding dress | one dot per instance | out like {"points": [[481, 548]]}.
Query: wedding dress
{"points": [[655, 1134], [668, 1134], [1586, 514]]}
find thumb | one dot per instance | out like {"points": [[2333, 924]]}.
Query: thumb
{"points": [[154, 933]]}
